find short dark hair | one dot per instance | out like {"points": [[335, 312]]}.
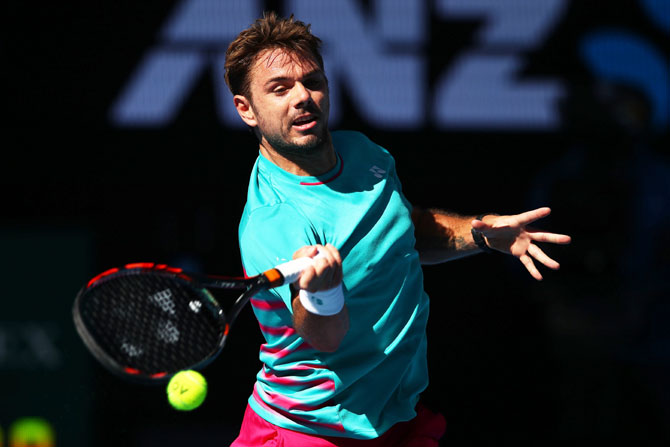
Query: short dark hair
{"points": [[270, 32]]}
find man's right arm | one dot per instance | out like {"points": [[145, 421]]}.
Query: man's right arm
{"points": [[322, 332]]}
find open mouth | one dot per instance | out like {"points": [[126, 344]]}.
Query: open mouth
{"points": [[305, 122]]}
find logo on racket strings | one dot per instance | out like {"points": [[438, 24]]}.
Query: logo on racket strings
{"points": [[131, 350], [164, 300], [167, 332], [195, 306]]}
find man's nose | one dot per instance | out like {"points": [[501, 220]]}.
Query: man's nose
{"points": [[302, 95]]}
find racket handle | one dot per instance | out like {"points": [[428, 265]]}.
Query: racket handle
{"points": [[291, 270]]}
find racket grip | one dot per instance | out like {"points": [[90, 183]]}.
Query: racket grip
{"points": [[292, 270]]}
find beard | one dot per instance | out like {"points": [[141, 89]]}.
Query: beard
{"points": [[312, 146]]}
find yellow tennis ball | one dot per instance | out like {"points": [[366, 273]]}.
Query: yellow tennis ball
{"points": [[186, 390]]}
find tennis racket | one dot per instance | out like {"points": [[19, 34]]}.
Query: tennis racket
{"points": [[147, 321]]}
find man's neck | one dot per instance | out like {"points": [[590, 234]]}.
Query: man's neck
{"points": [[312, 162]]}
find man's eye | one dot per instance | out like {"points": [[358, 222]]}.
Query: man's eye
{"points": [[313, 84], [279, 89]]}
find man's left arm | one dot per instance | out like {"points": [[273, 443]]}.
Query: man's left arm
{"points": [[442, 236]]}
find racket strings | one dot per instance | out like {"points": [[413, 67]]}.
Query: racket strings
{"points": [[151, 322]]}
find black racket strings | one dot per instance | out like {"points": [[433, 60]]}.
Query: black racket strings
{"points": [[152, 323]]}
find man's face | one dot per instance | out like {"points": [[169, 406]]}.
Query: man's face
{"points": [[288, 102]]}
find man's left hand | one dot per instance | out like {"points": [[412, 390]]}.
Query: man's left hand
{"points": [[512, 235]]}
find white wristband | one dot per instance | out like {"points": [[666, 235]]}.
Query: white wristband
{"points": [[323, 302]]}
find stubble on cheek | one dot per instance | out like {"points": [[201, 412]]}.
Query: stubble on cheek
{"points": [[282, 139]]}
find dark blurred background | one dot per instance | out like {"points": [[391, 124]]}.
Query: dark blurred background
{"points": [[120, 145]]}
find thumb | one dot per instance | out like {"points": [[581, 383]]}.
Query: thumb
{"points": [[480, 225]]}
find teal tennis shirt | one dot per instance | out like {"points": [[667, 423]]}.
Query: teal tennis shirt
{"points": [[375, 377]]}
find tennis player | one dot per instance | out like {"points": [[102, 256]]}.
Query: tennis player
{"points": [[344, 358]]}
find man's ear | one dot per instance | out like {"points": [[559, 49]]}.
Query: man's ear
{"points": [[245, 110]]}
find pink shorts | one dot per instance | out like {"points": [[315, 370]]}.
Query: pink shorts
{"points": [[424, 430]]}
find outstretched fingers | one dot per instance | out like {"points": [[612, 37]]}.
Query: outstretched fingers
{"points": [[554, 238], [542, 257], [533, 215], [530, 266], [514, 232], [518, 220]]}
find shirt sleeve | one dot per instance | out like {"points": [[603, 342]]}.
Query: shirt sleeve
{"points": [[269, 236]]}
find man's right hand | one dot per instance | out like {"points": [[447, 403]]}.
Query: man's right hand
{"points": [[323, 333], [325, 273]]}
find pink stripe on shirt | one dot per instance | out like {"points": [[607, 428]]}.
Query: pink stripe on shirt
{"points": [[300, 420], [286, 403], [282, 331], [283, 351], [267, 305], [324, 383]]}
